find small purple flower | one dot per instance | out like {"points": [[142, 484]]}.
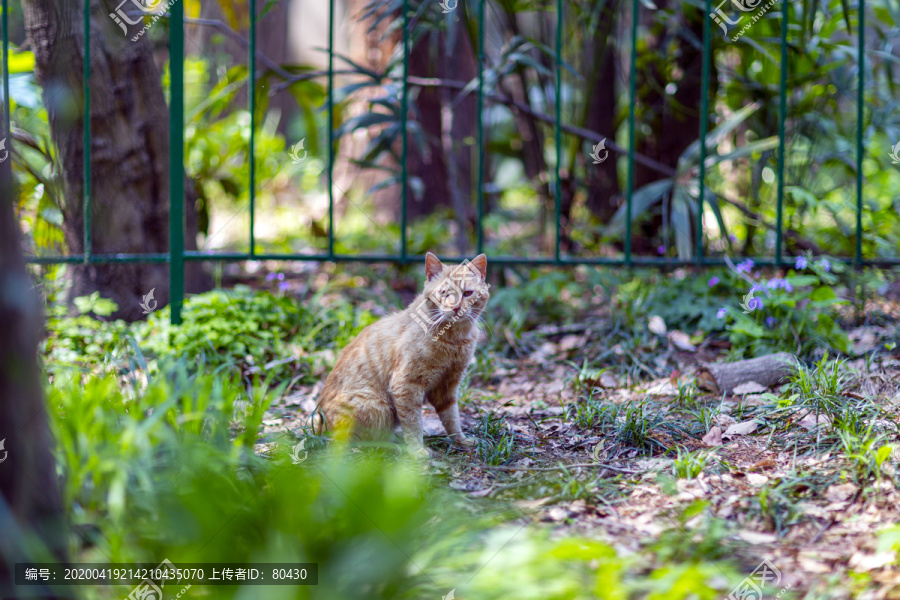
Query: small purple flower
{"points": [[787, 286], [283, 285], [801, 263], [770, 321], [773, 284], [825, 264], [744, 266], [754, 304], [732, 237], [271, 276], [661, 250], [713, 281], [722, 312]]}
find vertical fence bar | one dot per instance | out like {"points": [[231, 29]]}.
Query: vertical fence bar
{"points": [[251, 89], [86, 125], [782, 117], [6, 101], [557, 192], [704, 122], [404, 116], [330, 100], [479, 124], [632, 96], [176, 161], [782, 142], [860, 113]]}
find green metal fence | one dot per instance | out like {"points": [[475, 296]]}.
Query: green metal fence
{"points": [[177, 254]]}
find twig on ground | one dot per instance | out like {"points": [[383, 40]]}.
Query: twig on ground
{"points": [[560, 468]]}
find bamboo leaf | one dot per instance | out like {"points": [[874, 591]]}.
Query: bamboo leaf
{"points": [[641, 200]]}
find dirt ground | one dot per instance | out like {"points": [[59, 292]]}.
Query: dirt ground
{"points": [[804, 477]]}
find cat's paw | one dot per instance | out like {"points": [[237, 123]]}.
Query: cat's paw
{"points": [[419, 452], [462, 441]]}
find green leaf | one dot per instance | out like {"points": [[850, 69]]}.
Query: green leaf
{"points": [[883, 453], [363, 122], [641, 200], [845, 6], [745, 150], [714, 137], [681, 222], [21, 62], [748, 327], [888, 539], [823, 294], [579, 549]]}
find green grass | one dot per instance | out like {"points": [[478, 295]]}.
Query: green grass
{"points": [[689, 465], [495, 442]]}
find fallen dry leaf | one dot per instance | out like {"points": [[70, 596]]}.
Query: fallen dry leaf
{"points": [[724, 420], [752, 537], [840, 492], [682, 341], [608, 380], [657, 325], [743, 428], [713, 437], [757, 479], [863, 562], [570, 342], [557, 513], [810, 421], [662, 387]]}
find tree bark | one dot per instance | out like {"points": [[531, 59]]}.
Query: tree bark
{"points": [[447, 54], [129, 149], [31, 513], [371, 48], [602, 180], [674, 118]]}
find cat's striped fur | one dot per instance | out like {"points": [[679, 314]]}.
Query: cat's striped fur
{"points": [[418, 355]]}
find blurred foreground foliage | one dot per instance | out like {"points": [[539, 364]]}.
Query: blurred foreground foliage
{"points": [[168, 469]]}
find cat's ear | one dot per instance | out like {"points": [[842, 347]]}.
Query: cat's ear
{"points": [[480, 263], [433, 266]]}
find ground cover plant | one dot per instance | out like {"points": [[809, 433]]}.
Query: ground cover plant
{"points": [[606, 464]]}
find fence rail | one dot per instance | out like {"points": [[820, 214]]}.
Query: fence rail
{"points": [[177, 255]]}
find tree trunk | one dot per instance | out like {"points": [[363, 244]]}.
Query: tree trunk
{"points": [[445, 167], [31, 513], [371, 48], [678, 116], [129, 149], [602, 180]]}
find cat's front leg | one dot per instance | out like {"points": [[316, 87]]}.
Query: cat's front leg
{"points": [[408, 401], [443, 398], [450, 420]]}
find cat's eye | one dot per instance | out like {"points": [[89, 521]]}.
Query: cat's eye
{"points": [[467, 293]]}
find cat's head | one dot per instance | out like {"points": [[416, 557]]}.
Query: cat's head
{"points": [[453, 293]]}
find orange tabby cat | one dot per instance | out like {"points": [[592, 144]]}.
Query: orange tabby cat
{"points": [[420, 354]]}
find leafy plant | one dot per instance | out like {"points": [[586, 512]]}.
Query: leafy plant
{"points": [[793, 313], [257, 332], [682, 189], [866, 452], [689, 465]]}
